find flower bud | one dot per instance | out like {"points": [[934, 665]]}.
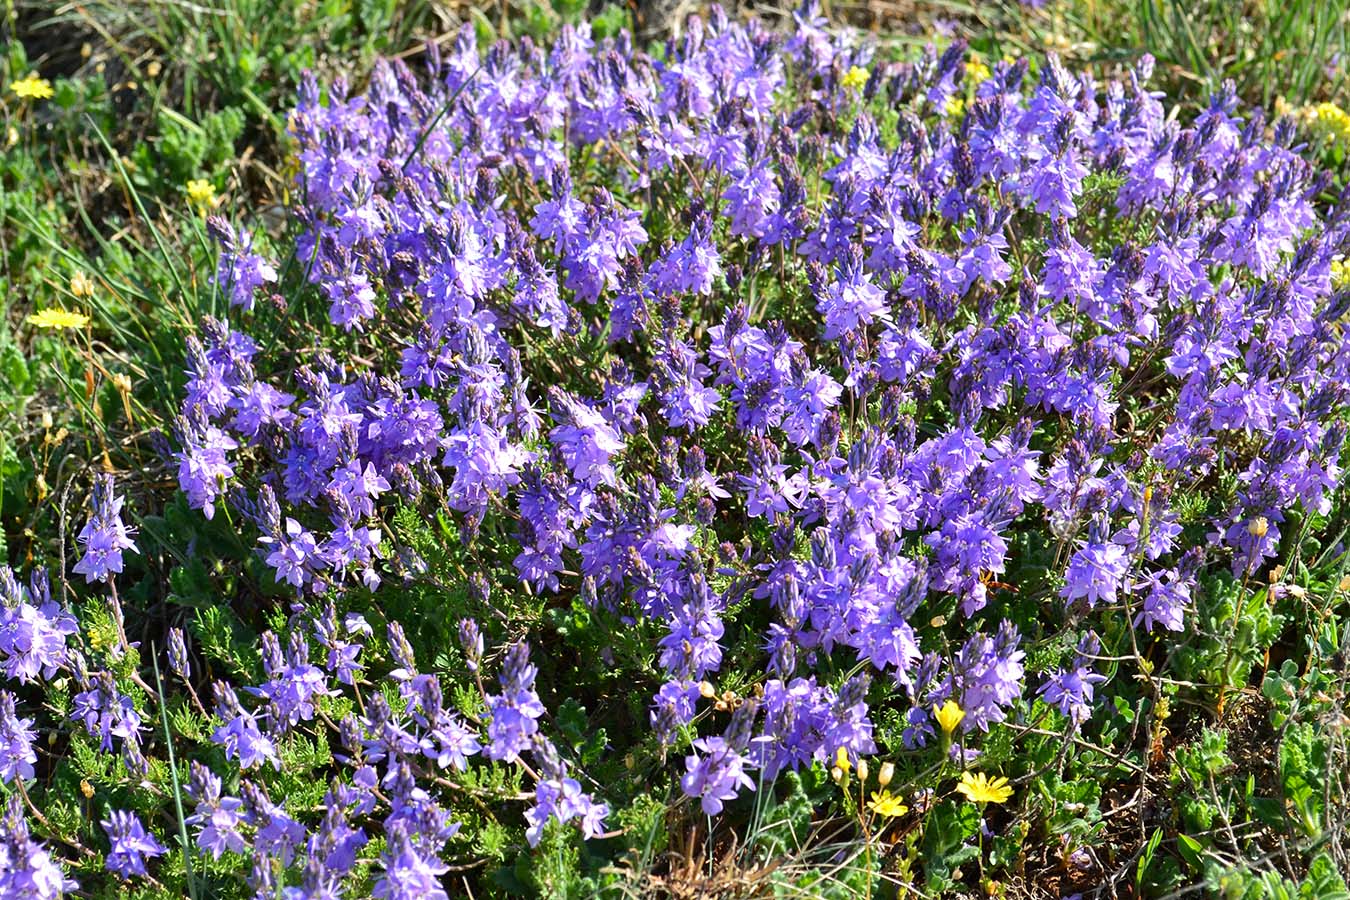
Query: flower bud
{"points": [[886, 774]]}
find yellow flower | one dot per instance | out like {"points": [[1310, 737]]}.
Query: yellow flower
{"points": [[33, 87], [976, 71], [1329, 120], [948, 716], [1340, 273], [202, 193], [841, 759], [58, 319], [978, 788], [854, 79], [956, 106], [884, 803]]}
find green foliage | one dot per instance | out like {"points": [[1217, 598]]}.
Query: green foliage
{"points": [[94, 184]]}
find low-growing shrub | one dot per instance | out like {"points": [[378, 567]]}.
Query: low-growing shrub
{"points": [[743, 467]]}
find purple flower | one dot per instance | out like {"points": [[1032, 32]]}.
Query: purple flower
{"points": [[178, 654], [1096, 572], [716, 776], [219, 818], [104, 536], [1071, 690], [585, 440], [296, 554], [33, 628], [16, 742], [240, 271], [293, 684], [513, 713], [27, 869], [851, 302], [106, 712], [131, 844], [204, 467], [239, 734], [410, 872]]}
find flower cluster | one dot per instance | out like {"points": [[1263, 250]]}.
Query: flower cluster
{"points": [[879, 391], [850, 342]]}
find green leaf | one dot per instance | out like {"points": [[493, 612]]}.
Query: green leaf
{"points": [[1191, 849]]}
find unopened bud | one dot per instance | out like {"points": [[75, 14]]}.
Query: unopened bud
{"points": [[886, 774], [81, 286]]}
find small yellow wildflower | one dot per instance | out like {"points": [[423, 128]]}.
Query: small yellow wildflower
{"points": [[59, 319], [841, 759], [977, 72], [979, 788], [81, 285], [956, 106], [1340, 273], [202, 193], [948, 716], [33, 88], [1329, 120], [855, 79], [884, 803]]}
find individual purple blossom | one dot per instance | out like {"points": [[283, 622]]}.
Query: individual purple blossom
{"points": [[27, 869], [204, 467], [219, 818], [691, 648], [564, 800], [852, 301], [1165, 603], [1096, 572], [558, 796], [471, 642], [131, 844], [16, 742], [673, 706], [410, 871], [512, 714], [296, 554], [1071, 690], [33, 628], [343, 642], [104, 537], [293, 684], [239, 734], [106, 712], [276, 834], [585, 439], [240, 271], [716, 773], [351, 302]]}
